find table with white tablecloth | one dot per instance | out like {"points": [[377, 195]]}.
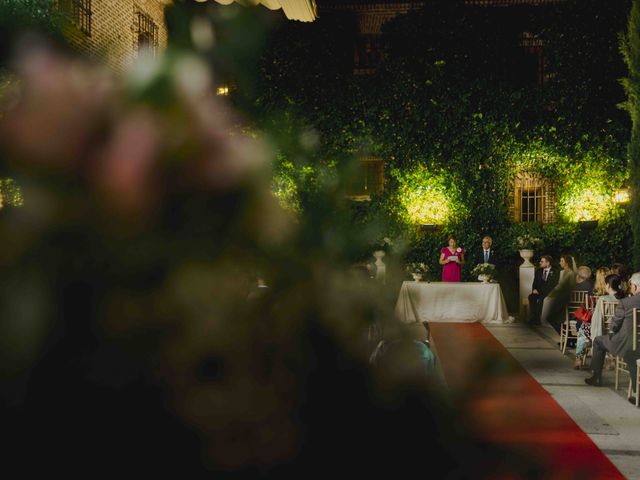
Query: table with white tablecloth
{"points": [[451, 302]]}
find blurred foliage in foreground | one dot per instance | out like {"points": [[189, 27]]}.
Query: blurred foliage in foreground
{"points": [[128, 327]]}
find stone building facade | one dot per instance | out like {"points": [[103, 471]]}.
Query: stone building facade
{"points": [[115, 31]]}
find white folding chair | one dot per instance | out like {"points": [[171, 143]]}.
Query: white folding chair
{"points": [[608, 311], [637, 382], [636, 349], [621, 365], [577, 299]]}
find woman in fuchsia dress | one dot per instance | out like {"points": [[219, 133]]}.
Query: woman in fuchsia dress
{"points": [[452, 259]]}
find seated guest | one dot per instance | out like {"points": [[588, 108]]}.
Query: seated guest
{"points": [[583, 280], [544, 280], [600, 286], [553, 305], [420, 334], [486, 254], [567, 272], [623, 271], [614, 294], [567, 277], [619, 342], [405, 351], [590, 330]]}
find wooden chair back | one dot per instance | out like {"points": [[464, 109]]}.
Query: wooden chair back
{"points": [[636, 331], [608, 310], [578, 298]]}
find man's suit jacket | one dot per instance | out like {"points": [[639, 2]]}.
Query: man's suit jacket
{"points": [[479, 258], [544, 287], [585, 286], [620, 341]]}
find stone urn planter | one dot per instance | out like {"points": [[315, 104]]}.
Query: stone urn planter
{"points": [[417, 277], [526, 255], [484, 278]]}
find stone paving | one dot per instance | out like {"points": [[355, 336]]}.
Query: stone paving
{"points": [[604, 414]]}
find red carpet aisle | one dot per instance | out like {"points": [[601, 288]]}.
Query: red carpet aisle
{"points": [[507, 406]]}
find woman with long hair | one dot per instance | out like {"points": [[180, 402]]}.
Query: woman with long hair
{"points": [[554, 302], [590, 330], [623, 272], [566, 268], [600, 287]]}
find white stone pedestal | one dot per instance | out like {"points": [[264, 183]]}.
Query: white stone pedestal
{"points": [[381, 270], [526, 274]]}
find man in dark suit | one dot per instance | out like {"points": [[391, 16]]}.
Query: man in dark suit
{"points": [[620, 341], [545, 279], [486, 254]]}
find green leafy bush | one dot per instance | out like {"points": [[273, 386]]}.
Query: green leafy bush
{"points": [[454, 128]]}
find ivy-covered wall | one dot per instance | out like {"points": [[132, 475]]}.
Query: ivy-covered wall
{"points": [[455, 122], [630, 48]]}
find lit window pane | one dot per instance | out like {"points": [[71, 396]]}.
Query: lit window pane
{"points": [[367, 180]]}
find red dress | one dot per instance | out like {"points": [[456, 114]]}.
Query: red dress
{"points": [[451, 272]]}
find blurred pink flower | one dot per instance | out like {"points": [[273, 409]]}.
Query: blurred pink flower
{"points": [[56, 111], [125, 173], [223, 156]]}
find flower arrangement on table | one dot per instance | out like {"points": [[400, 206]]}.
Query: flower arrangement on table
{"points": [[527, 242], [484, 271], [417, 269]]}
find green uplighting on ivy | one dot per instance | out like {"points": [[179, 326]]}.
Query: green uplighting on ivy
{"points": [[10, 193], [592, 204], [284, 185], [589, 191], [284, 188], [426, 198]]}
